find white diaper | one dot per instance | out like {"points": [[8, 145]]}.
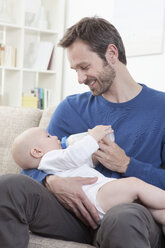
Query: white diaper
{"points": [[92, 189]]}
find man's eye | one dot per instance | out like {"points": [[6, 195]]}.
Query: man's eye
{"points": [[84, 68]]}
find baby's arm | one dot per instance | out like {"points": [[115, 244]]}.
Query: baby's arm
{"points": [[75, 155], [83, 149], [98, 132]]}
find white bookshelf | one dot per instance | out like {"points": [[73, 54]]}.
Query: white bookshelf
{"points": [[14, 81]]}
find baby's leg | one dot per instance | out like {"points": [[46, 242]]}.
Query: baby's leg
{"points": [[128, 190], [159, 215], [116, 192]]}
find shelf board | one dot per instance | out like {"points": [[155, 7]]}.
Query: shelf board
{"points": [[27, 70], [9, 25], [10, 68], [47, 31], [39, 71], [32, 29]]}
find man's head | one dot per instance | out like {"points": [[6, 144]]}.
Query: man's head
{"points": [[95, 50], [29, 147], [97, 33]]}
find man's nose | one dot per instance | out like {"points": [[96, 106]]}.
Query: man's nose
{"points": [[81, 77]]}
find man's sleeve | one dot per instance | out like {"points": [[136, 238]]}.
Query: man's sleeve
{"points": [[37, 175], [147, 172], [63, 122]]}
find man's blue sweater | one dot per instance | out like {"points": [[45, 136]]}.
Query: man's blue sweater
{"points": [[139, 127]]}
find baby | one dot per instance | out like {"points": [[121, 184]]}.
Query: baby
{"points": [[36, 148]]}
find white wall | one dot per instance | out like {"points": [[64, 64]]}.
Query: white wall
{"points": [[149, 69]]}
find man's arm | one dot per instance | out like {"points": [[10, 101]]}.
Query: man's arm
{"points": [[37, 175], [147, 172], [69, 192]]}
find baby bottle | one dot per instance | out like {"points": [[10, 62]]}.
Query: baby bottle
{"points": [[66, 141]]}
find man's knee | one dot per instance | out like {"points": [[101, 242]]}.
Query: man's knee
{"points": [[12, 178], [125, 221], [127, 218], [123, 218], [18, 189], [14, 182], [20, 196]]}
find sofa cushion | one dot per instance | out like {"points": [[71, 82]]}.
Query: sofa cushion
{"points": [[46, 116], [14, 120], [40, 242]]}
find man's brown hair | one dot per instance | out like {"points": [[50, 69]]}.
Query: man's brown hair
{"points": [[97, 33]]}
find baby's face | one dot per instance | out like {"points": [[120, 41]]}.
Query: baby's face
{"points": [[49, 142]]}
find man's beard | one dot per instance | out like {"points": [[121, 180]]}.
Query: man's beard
{"points": [[104, 80]]}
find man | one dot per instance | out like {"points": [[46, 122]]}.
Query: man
{"points": [[136, 113]]}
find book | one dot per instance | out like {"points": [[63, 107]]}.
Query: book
{"points": [[29, 101], [7, 55], [48, 99], [38, 98], [40, 55], [2, 55]]}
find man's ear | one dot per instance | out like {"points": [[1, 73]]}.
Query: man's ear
{"points": [[36, 153], [111, 54]]}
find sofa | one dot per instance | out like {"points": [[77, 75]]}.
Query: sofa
{"points": [[13, 121]]}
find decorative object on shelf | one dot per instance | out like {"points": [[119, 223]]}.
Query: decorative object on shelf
{"points": [[31, 10], [5, 13], [40, 20], [36, 14], [29, 18]]}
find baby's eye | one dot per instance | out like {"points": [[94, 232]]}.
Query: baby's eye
{"points": [[48, 135]]}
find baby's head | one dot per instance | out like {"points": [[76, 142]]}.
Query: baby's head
{"points": [[30, 146]]}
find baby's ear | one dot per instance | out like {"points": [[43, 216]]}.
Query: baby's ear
{"points": [[36, 153]]}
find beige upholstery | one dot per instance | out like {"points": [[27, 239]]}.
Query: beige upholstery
{"points": [[46, 116], [13, 121], [40, 242]]}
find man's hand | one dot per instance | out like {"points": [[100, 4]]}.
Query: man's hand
{"points": [[69, 192], [112, 156]]}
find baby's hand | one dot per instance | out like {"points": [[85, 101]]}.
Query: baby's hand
{"points": [[98, 132]]}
